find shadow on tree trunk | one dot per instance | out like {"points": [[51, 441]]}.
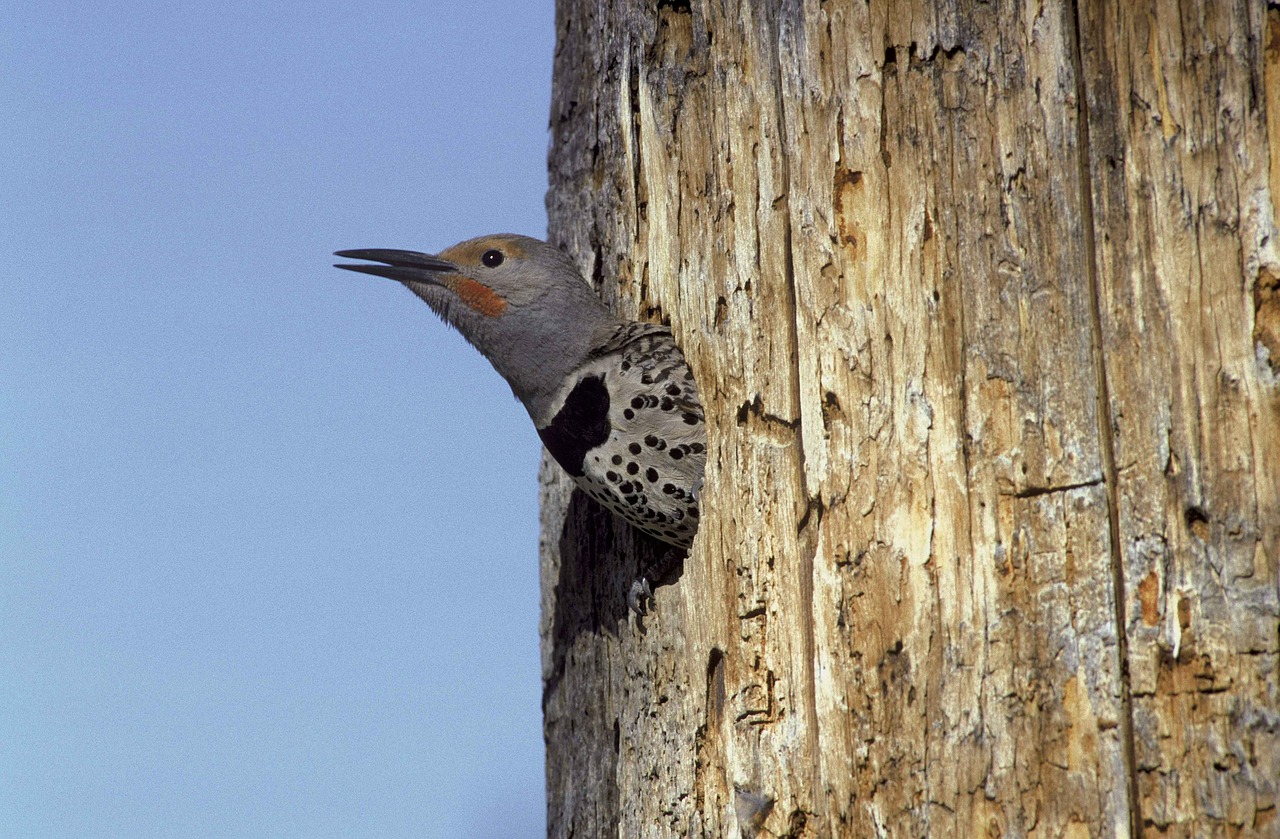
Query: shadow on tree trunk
{"points": [[600, 557]]}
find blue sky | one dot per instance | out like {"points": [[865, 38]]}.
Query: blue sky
{"points": [[268, 539]]}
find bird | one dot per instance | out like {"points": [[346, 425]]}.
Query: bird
{"points": [[614, 401]]}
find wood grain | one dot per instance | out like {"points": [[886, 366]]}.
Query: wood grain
{"points": [[978, 297]]}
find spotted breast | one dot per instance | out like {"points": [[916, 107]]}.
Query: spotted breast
{"points": [[629, 428]]}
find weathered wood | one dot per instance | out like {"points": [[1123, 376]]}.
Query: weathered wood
{"points": [[979, 298], [1186, 237]]}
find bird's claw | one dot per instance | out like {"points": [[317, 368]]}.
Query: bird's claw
{"points": [[640, 597]]}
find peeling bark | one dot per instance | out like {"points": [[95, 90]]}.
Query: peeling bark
{"points": [[981, 300]]}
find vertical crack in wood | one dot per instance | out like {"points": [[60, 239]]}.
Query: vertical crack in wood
{"points": [[630, 88], [1103, 409], [807, 547]]}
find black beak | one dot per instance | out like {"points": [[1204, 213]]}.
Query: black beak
{"points": [[401, 266]]}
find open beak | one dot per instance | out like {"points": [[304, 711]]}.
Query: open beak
{"points": [[401, 266]]}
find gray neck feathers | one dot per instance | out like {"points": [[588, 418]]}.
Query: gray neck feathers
{"points": [[537, 344]]}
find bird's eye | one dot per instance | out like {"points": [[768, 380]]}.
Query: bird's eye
{"points": [[492, 258]]}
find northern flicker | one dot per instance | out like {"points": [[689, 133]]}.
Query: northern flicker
{"points": [[614, 401]]}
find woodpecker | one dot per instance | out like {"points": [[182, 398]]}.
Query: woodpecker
{"points": [[613, 400]]}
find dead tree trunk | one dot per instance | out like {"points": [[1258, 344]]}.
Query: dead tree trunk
{"points": [[983, 303]]}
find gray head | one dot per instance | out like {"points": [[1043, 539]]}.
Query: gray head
{"points": [[519, 301]]}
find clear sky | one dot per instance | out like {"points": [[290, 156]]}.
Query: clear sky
{"points": [[268, 538]]}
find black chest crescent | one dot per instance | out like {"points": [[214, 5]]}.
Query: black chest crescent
{"points": [[581, 425]]}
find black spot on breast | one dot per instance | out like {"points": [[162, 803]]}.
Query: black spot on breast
{"points": [[581, 424]]}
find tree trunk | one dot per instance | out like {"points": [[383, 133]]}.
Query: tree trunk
{"points": [[983, 301]]}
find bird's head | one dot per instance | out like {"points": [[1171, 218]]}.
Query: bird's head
{"points": [[520, 301]]}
